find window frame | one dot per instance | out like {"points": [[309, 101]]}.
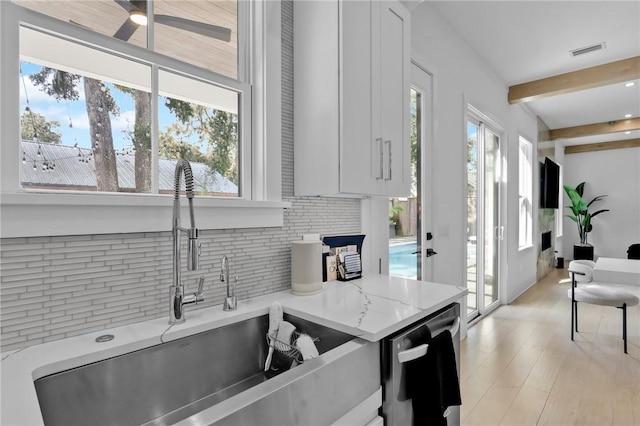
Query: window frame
{"points": [[75, 213], [558, 215], [527, 187]]}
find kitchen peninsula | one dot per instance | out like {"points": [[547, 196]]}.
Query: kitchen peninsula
{"points": [[370, 308]]}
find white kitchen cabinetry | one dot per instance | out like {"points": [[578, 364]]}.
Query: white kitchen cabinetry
{"points": [[351, 98]]}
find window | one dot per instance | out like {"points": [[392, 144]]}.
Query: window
{"points": [[560, 202], [525, 193], [180, 29], [89, 125]]}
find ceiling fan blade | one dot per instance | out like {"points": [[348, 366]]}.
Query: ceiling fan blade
{"points": [[209, 30], [126, 30], [126, 5]]}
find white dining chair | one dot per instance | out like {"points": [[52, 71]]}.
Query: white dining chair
{"points": [[584, 290]]}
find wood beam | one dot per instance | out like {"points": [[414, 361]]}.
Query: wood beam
{"points": [[602, 146], [588, 78], [625, 125]]}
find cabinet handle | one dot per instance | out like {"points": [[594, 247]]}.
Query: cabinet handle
{"points": [[389, 161], [380, 148]]}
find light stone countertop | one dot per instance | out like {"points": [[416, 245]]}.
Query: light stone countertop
{"points": [[617, 271], [370, 308]]}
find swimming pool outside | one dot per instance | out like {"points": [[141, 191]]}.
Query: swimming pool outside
{"points": [[403, 259]]}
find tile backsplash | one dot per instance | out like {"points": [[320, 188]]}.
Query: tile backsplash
{"points": [[57, 287]]}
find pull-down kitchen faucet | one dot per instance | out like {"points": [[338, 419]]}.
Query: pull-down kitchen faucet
{"points": [[178, 299]]}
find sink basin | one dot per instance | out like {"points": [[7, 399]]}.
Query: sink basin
{"points": [[174, 381]]}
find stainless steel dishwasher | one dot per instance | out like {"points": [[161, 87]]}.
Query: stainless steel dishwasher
{"points": [[408, 344]]}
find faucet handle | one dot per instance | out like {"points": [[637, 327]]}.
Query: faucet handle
{"points": [[200, 284]]}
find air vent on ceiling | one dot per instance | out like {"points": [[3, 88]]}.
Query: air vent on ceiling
{"points": [[588, 49]]}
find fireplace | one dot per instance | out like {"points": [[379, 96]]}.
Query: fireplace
{"points": [[546, 241]]}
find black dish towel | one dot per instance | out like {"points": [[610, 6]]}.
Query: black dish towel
{"points": [[432, 382]]}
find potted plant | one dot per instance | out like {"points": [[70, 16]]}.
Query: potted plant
{"points": [[582, 217]]}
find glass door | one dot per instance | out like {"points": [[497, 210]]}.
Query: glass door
{"points": [[410, 244], [484, 230]]}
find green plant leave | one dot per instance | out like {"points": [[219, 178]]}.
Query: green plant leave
{"points": [[580, 210], [598, 198], [598, 212]]}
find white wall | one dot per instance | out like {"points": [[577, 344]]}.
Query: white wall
{"points": [[615, 173], [460, 76], [522, 264]]}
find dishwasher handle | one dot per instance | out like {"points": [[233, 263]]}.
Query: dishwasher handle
{"points": [[421, 350]]}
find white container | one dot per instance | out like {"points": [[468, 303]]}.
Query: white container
{"points": [[306, 267]]}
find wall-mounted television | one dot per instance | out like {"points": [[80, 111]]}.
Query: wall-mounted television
{"points": [[549, 184]]}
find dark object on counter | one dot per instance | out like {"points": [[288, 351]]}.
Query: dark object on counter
{"points": [[324, 267], [344, 240], [432, 382], [347, 268], [634, 251]]}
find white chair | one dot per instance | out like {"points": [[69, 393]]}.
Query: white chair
{"points": [[597, 294], [586, 262]]}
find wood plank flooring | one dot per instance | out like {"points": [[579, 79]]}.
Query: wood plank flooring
{"points": [[520, 367]]}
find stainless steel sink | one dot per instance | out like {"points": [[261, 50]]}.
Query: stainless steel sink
{"points": [[174, 381]]}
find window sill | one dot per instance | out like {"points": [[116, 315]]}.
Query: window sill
{"points": [[525, 248], [46, 214]]}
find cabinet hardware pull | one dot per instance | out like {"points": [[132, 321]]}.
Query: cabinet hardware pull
{"points": [[380, 148], [389, 162]]}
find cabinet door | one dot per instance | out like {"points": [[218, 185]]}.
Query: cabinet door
{"points": [[356, 102], [393, 102]]}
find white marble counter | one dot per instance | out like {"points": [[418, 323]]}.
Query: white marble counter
{"points": [[370, 308]]}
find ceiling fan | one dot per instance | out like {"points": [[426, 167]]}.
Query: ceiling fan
{"points": [[138, 16]]}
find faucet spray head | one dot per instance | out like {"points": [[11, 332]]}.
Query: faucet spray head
{"points": [[193, 250]]}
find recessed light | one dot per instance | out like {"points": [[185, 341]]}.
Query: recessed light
{"points": [[630, 84], [628, 115], [627, 133]]}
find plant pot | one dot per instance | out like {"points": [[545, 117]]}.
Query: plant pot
{"points": [[582, 252]]}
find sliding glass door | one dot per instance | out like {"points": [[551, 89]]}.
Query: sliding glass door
{"points": [[484, 230]]}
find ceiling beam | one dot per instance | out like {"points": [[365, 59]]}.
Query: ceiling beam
{"points": [[602, 146], [588, 78], [625, 125]]}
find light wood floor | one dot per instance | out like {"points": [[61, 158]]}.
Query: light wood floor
{"points": [[520, 367]]}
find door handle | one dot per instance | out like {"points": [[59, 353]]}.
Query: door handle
{"points": [[431, 252]]}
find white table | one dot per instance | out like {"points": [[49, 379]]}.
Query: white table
{"points": [[618, 271]]}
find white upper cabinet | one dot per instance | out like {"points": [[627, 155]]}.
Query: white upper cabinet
{"points": [[351, 98]]}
